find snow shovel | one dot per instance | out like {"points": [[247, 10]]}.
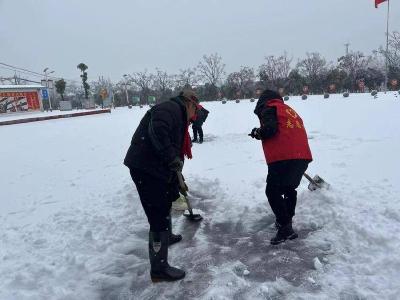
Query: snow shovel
{"points": [[316, 182], [184, 189], [180, 203]]}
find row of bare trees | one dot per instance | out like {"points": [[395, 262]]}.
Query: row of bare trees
{"points": [[352, 72], [206, 77]]}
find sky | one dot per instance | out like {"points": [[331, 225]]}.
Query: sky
{"points": [[125, 36]]}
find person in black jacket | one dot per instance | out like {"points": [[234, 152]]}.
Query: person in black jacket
{"points": [[198, 121], [154, 157]]}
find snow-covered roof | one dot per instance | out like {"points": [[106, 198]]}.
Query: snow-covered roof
{"points": [[21, 87]]}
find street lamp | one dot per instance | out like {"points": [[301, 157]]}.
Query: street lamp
{"points": [[46, 73], [126, 88]]}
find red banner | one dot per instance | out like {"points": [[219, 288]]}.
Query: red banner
{"points": [[19, 101], [33, 100]]}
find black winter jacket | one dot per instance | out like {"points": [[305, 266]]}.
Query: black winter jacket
{"points": [[158, 139], [202, 115], [267, 115]]}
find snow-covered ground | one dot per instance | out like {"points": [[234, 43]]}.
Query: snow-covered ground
{"points": [[38, 114], [71, 224]]}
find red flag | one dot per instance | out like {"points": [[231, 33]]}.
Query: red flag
{"points": [[377, 2]]}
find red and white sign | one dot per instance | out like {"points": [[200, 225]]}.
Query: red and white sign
{"points": [[19, 101]]}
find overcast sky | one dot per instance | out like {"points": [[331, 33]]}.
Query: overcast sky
{"points": [[124, 36]]}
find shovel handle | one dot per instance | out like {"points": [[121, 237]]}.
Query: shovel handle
{"points": [[311, 180], [183, 186], [182, 183]]}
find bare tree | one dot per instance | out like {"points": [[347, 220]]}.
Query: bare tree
{"points": [[187, 78], [275, 70], [75, 93], [354, 65], [376, 61], [393, 55], [241, 82], [394, 41], [312, 66], [99, 84], [211, 69], [314, 69], [144, 81], [353, 62], [163, 81], [120, 93], [163, 84]]}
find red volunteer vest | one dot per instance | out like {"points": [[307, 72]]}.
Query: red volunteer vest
{"points": [[290, 141]]}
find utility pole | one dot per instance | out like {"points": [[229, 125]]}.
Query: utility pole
{"points": [[46, 73], [347, 48], [126, 89], [387, 47], [17, 79]]}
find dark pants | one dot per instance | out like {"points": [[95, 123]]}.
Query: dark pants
{"points": [[156, 196], [282, 180], [197, 129]]}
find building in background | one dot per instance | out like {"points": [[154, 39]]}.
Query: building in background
{"points": [[16, 98]]}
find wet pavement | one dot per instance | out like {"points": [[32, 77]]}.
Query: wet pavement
{"points": [[210, 250]]}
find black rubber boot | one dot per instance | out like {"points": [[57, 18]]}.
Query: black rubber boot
{"points": [[277, 225], [284, 233], [173, 238], [200, 135], [158, 253]]}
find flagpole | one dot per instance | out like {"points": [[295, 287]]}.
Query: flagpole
{"points": [[387, 47]]}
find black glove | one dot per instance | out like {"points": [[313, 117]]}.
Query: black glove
{"points": [[176, 165], [255, 134]]}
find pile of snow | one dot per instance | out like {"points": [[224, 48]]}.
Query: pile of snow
{"points": [[72, 227]]}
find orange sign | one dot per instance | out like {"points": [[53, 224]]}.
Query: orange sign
{"points": [[103, 94]]}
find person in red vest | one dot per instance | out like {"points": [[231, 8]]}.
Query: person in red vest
{"points": [[286, 150], [197, 121]]}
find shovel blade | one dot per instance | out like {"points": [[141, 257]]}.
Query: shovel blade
{"points": [[318, 183], [193, 217], [180, 204]]}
